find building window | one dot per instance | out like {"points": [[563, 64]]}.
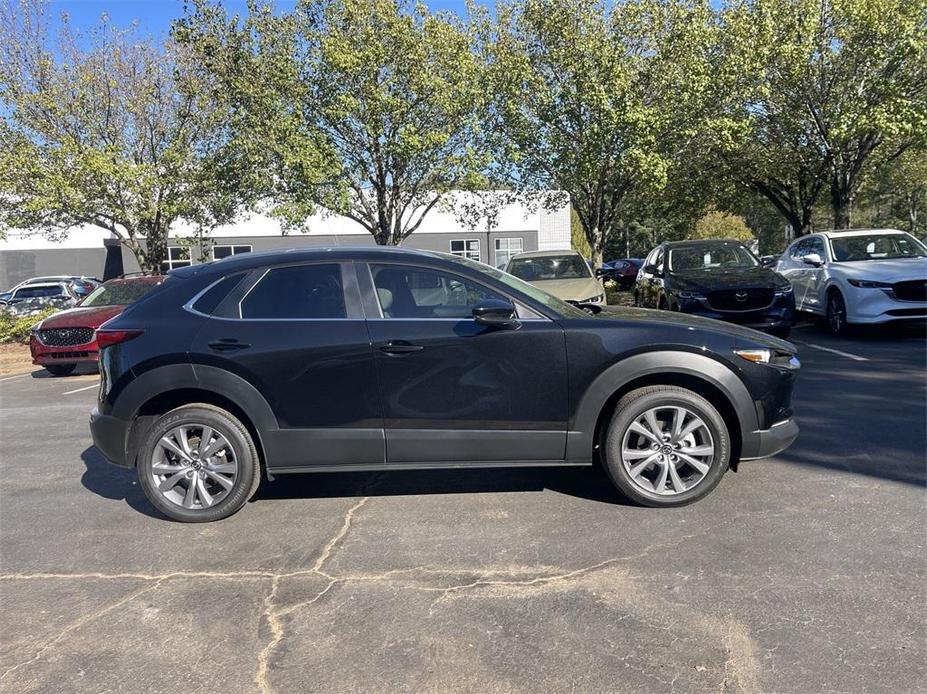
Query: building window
{"points": [[469, 248], [506, 248], [177, 256], [225, 251]]}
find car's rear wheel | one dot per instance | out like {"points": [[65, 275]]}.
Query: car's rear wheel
{"points": [[836, 314], [60, 369], [198, 463], [666, 446]]}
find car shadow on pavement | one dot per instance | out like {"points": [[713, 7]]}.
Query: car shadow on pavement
{"points": [[113, 482]]}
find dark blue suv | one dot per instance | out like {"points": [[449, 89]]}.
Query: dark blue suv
{"points": [[266, 364]]}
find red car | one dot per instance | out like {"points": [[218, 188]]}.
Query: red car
{"points": [[62, 341]]}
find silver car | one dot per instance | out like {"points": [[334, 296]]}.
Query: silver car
{"points": [[565, 274]]}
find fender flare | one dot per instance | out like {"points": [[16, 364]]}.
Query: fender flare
{"points": [[580, 437]]}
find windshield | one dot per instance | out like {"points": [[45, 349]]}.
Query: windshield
{"points": [[118, 294], [550, 267], [710, 256], [876, 247], [539, 295], [37, 292]]}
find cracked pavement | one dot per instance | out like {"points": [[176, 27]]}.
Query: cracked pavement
{"points": [[802, 573]]}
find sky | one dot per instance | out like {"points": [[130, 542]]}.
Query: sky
{"points": [[155, 16]]}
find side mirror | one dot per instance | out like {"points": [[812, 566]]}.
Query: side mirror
{"points": [[768, 260], [650, 269], [813, 259], [600, 271], [497, 313]]}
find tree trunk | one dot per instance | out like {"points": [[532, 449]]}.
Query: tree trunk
{"points": [[841, 201], [155, 248], [596, 244]]}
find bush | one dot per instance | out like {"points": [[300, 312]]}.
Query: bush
{"points": [[15, 329]]}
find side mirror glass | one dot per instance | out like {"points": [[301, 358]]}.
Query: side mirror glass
{"points": [[813, 259], [498, 313]]}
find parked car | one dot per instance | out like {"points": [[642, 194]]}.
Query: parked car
{"points": [[80, 285], [718, 279], [564, 274], [35, 298], [623, 271], [65, 339], [384, 358], [858, 277]]}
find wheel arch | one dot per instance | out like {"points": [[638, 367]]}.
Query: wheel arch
{"points": [[699, 373]]}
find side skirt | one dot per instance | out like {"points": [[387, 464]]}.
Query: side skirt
{"points": [[442, 465]]}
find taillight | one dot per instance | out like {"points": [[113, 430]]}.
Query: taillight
{"points": [[108, 338]]}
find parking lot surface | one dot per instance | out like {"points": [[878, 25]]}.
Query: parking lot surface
{"points": [[802, 573]]}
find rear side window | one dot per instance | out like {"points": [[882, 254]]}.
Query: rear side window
{"points": [[298, 291], [212, 297]]}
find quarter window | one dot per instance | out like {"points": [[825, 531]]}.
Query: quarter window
{"points": [[297, 291], [467, 248], [225, 251], [506, 248], [407, 292], [177, 256]]}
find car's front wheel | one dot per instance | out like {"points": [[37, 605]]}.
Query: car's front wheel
{"points": [[60, 369], [666, 446], [198, 463], [836, 314]]}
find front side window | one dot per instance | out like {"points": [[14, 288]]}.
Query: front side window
{"points": [[466, 248], [506, 248], [297, 291], [414, 292], [177, 256], [876, 247], [568, 266], [223, 251]]}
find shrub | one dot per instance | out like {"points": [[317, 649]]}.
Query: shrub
{"points": [[15, 329]]}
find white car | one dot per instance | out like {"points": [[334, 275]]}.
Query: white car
{"points": [[863, 276]]}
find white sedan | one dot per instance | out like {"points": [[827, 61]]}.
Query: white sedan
{"points": [[858, 277]]}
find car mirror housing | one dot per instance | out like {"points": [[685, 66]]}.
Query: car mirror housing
{"points": [[768, 260], [813, 259], [497, 313]]}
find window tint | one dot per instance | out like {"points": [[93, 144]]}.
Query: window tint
{"points": [[407, 292], [209, 302], [299, 291]]}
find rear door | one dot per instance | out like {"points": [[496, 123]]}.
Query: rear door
{"points": [[457, 391], [297, 333]]}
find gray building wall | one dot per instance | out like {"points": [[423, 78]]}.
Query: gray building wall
{"points": [[16, 266]]}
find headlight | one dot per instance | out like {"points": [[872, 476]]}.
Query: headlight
{"points": [[759, 356], [778, 358], [594, 299], [691, 295], [784, 291], [870, 284]]}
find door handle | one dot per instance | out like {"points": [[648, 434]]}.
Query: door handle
{"points": [[227, 344], [400, 347]]}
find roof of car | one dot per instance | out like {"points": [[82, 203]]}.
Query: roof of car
{"points": [[40, 285], [835, 233], [140, 279], [699, 242], [547, 254]]}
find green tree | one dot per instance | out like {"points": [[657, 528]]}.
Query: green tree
{"points": [[105, 129], [716, 224], [820, 91], [595, 99], [366, 108]]}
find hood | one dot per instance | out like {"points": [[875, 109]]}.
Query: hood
{"points": [[571, 290], [82, 317], [709, 280], [891, 270], [685, 320]]}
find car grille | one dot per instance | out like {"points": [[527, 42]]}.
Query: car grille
{"points": [[740, 299], [64, 337], [912, 290]]}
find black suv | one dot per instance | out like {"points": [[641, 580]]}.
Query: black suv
{"points": [[716, 279], [378, 359]]}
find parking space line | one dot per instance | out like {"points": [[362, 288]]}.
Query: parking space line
{"points": [[77, 390], [854, 357], [10, 378]]}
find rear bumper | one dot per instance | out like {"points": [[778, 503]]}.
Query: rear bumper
{"points": [[109, 436], [768, 442]]}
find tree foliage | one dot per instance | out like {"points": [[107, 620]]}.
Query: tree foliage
{"points": [[104, 128], [716, 224]]}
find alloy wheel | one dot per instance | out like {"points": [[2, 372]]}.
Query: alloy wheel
{"points": [[836, 314], [667, 450], [194, 466]]}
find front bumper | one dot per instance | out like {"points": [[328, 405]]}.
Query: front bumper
{"points": [[71, 354], [109, 436], [870, 306], [779, 315], [768, 442]]}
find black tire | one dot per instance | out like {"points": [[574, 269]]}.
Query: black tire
{"points": [[836, 315], [634, 405], [637, 299], [247, 477], [60, 369]]}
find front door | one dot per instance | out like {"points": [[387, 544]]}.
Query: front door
{"points": [[455, 390]]}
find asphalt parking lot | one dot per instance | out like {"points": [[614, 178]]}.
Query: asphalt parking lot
{"points": [[802, 573]]}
